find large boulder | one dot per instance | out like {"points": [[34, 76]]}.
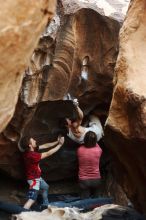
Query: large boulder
{"points": [[111, 8], [21, 23], [105, 212], [125, 131]]}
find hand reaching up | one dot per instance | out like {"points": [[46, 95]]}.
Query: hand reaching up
{"points": [[75, 102], [55, 149]]}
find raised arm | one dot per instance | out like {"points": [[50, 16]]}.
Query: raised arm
{"points": [[80, 112], [52, 151], [48, 145]]}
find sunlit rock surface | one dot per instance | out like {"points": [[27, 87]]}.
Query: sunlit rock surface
{"points": [[112, 8], [105, 212], [125, 132], [21, 23]]}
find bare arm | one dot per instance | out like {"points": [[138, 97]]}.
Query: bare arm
{"points": [[80, 112], [52, 151], [48, 145]]}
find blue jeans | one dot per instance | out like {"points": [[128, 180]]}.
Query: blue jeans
{"points": [[44, 188], [37, 185]]}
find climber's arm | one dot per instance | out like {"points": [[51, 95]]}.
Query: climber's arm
{"points": [[52, 151]]}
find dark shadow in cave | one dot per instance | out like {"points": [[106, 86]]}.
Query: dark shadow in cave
{"points": [[48, 120]]}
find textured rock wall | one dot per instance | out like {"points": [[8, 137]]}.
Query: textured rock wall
{"points": [[59, 73], [21, 23], [111, 8], [56, 69], [125, 132], [108, 212], [95, 39]]}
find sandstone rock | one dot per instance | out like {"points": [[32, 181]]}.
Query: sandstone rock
{"points": [[64, 76], [102, 52], [55, 70], [20, 27], [73, 44], [110, 8], [105, 212], [126, 125], [51, 82]]}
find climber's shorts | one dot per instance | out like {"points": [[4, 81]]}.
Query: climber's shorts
{"points": [[32, 194], [34, 184]]}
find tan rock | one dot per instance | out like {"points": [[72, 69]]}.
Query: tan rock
{"points": [[73, 44], [21, 23], [126, 125], [110, 8], [85, 33], [109, 212]]}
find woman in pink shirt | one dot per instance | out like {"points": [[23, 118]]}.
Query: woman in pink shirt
{"points": [[88, 158]]}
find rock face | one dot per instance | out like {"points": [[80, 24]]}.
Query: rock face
{"points": [[125, 132], [20, 27], [105, 212], [55, 70], [73, 44], [77, 34], [111, 8]]}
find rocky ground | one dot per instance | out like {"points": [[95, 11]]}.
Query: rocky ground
{"points": [[14, 191]]}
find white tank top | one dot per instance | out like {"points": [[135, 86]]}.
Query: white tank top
{"points": [[98, 131]]}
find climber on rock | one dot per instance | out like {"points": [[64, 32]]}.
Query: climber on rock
{"points": [[77, 131], [33, 172]]}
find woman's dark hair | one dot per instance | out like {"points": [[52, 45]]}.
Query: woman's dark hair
{"points": [[90, 139], [24, 143]]}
